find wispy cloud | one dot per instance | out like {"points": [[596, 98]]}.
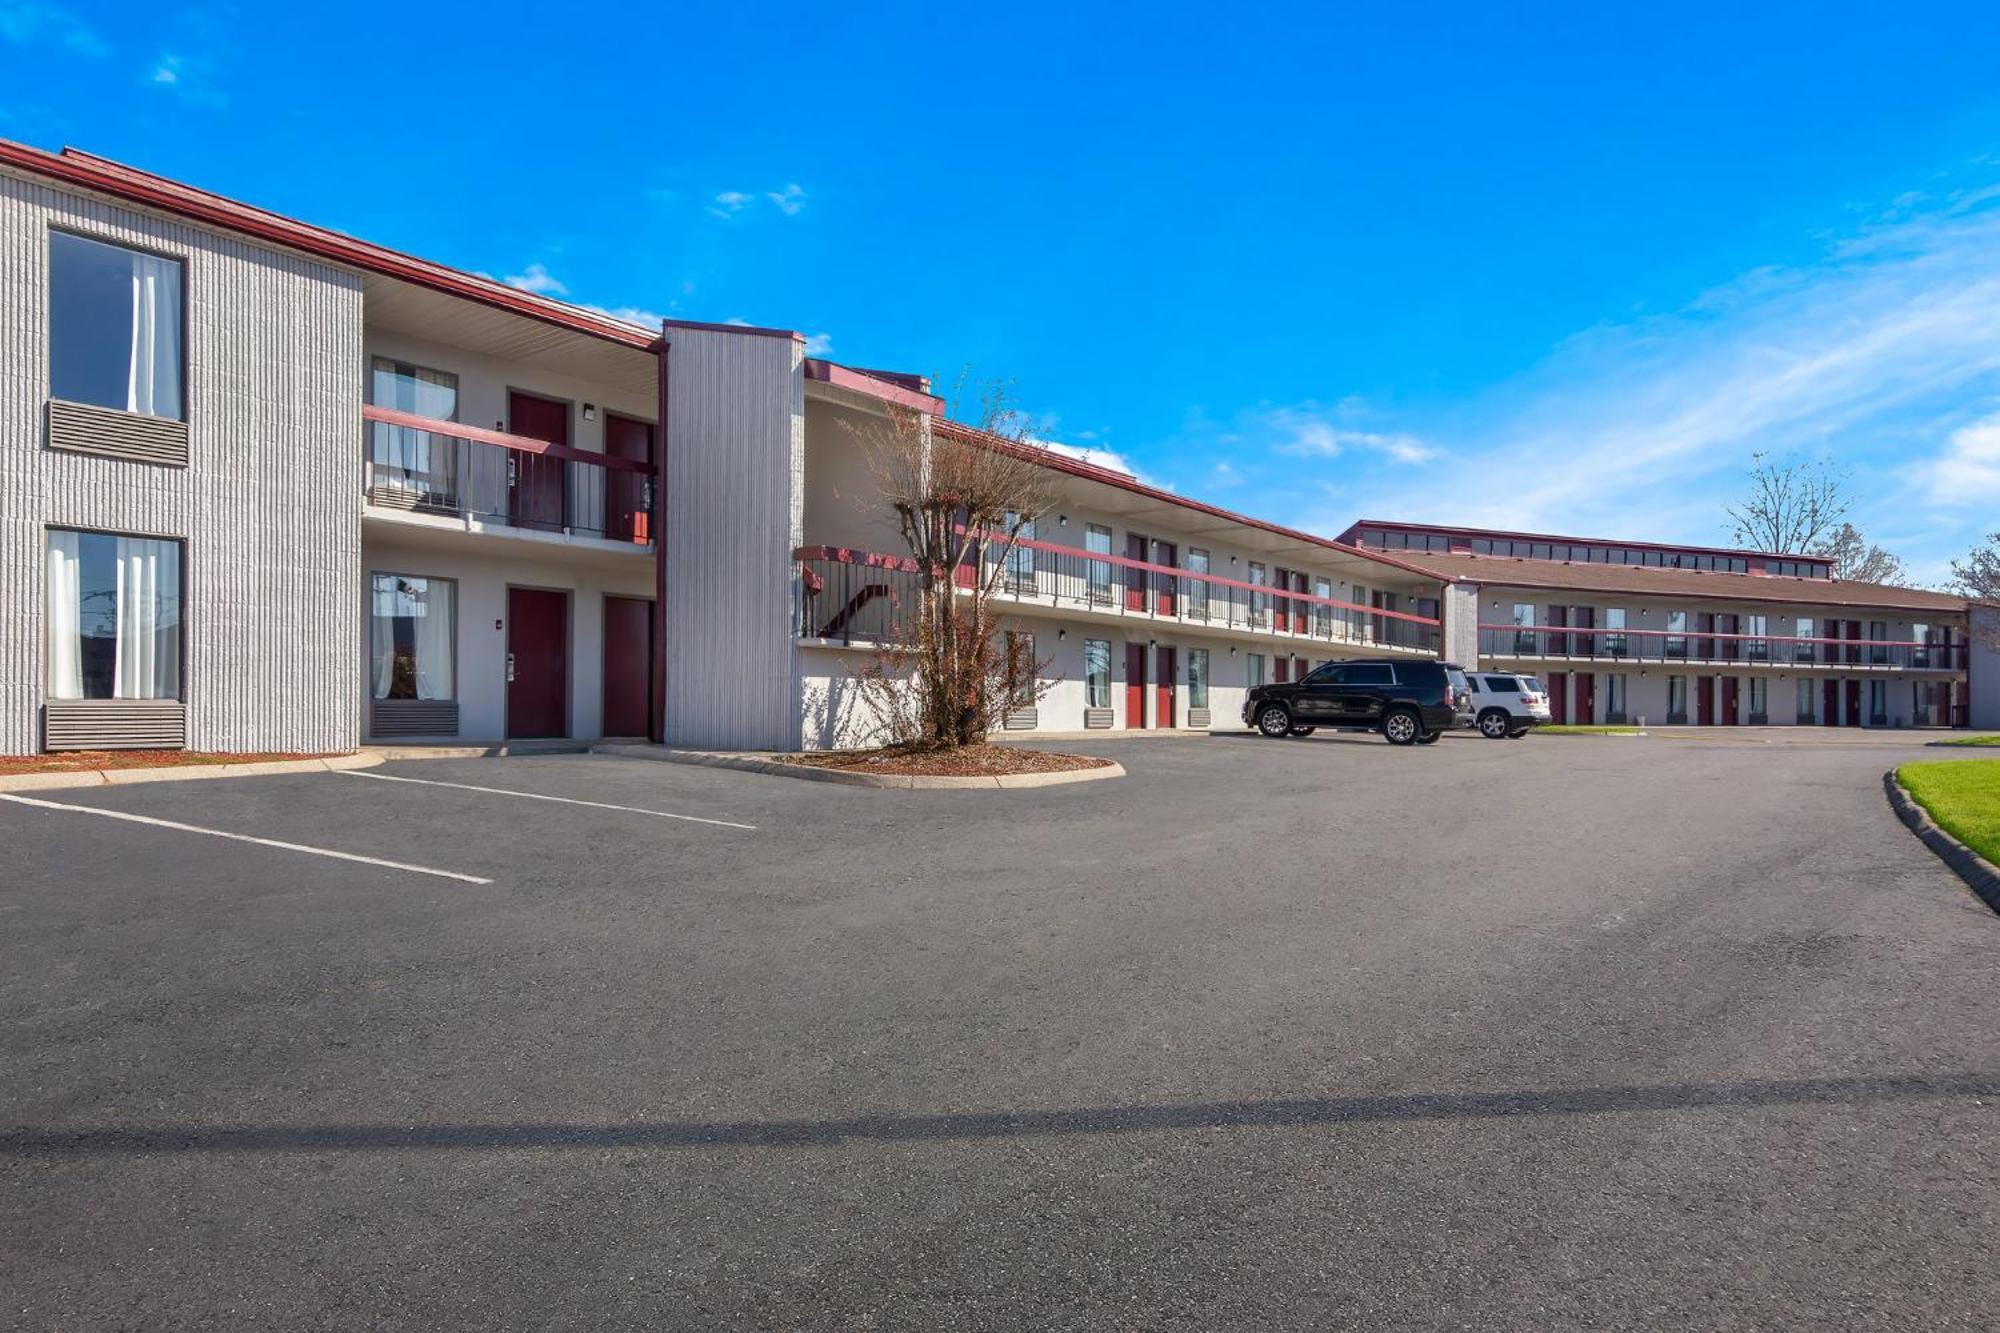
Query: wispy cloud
{"points": [[1104, 458], [1313, 431], [819, 344], [731, 204], [1968, 471], [51, 26], [188, 77], [536, 278]]}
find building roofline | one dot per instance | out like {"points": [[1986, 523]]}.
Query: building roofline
{"points": [[1406, 525], [1076, 467], [873, 385], [104, 176], [1787, 589]]}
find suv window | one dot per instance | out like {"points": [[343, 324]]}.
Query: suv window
{"points": [[1458, 680], [1368, 673], [1422, 673], [1327, 673], [1502, 685]]}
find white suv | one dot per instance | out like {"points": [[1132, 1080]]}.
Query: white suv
{"points": [[1507, 705]]}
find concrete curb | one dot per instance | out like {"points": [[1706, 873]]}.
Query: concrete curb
{"points": [[124, 777], [1979, 874], [744, 763]]}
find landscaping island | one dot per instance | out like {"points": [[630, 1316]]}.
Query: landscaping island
{"points": [[965, 761], [1963, 797]]}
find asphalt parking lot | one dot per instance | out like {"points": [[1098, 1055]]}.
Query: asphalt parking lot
{"points": [[1321, 1034]]}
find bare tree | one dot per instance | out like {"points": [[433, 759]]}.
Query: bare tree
{"points": [[1856, 560], [1978, 575], [965, 497], [1792, 503]]}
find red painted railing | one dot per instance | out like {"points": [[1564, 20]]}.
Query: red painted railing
{"points": [[444, 467]]}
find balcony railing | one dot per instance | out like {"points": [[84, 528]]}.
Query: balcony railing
{"points": [[851, 596], [1713, 648], [441, 467]]}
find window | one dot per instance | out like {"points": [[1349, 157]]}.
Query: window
{"points": [[404, 458], [114, 616], [413, 637], [1878, 649], [1326, 673], [1255, 669], [115, 327], [1197, 677], [1323, 613], [1677, 698], [1614, 696], [1097, 672], [1759, 698], [1197, 589], [1097, 541], [1920, 656], [1878, 703], [1524, 628], [1368, 673], [1805, 701], [1020, 559], [1759, 646], [1259, 602], [1805, 650], [1614, 620], [1677, 628], [1502, 685]]}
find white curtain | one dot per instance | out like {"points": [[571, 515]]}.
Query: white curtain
{"points": [[153, 381], [410, 458], [382, 637], [65, 633], [147, 664], [434, 646]]}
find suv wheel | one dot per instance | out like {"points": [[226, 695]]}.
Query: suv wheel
{"points": [[1303, 731], [1401, 726], [1274, 721], [1430, 737], [1494, 723]]}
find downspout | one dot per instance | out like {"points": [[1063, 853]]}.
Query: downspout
{"points": [[659, 666]]}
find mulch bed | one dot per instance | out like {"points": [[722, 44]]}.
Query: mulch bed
{"points": [[72, 761], [970, 761]]}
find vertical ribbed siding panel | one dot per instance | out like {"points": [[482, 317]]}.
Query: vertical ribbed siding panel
{"points": [[268, 506], [734, 515]]}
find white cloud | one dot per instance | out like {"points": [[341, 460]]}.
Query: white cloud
{"points": [[1104, 458], [631, 314], [1968, 471], [788, 200], [729, 203], [1309, 430], [190, 78], [537, 279], [49, 25], [819, 344]]}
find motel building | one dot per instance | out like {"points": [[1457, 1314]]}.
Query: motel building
{"points": [[273, 488]]}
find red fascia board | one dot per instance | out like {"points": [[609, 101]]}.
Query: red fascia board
{"points": [[389, 416], [1125, 482], [873, 386], [105, 177], [1450, 531]]}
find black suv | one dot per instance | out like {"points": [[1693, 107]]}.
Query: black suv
{"points": [[1410, 703]]}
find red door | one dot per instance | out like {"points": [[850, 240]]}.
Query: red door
{"points": [[628, 666], [1586, 698], [1829, 703], [1281, 607], [1853, 699], [537, 662], [1732, 648], [1302, 612], [1584, 617], [1555, 645], [1163, 688], [1854, 653], [625, 510], [1281, 670], [1135, 686], [1558, 683], [1169, 555], [1705, 702], [1730, 687], [1704, 646], [537, 486], [1135, 579]]}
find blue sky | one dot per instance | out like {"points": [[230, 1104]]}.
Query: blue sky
{"points": [[1556, 267]]}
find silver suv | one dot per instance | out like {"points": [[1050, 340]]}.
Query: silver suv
{"points": [[1507, 705]]}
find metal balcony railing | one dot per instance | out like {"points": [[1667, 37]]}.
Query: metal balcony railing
{"points": [[852, 596], [441, 467], [1713, 648]]}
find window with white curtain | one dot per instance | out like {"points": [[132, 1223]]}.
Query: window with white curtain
{"points": [[114, 616], [115, 327], [1197, 677], [1097, 673], [413, 637], [404, 457]]}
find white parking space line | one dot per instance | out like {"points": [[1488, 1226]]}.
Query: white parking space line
{"points": [[244, 837], [537, 796]]}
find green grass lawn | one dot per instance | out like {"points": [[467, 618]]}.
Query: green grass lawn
{"points": [[1963, 796], [1972, 740], [1566, 730]]}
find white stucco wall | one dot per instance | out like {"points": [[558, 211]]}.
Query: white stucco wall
{"points": [[268, 506]]}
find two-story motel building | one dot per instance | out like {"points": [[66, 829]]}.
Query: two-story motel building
{"points": [[269, 487]]}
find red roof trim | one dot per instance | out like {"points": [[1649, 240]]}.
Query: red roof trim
{"points": [[860, 381], [1451, 531], [1124, 482], [106, 177]]}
